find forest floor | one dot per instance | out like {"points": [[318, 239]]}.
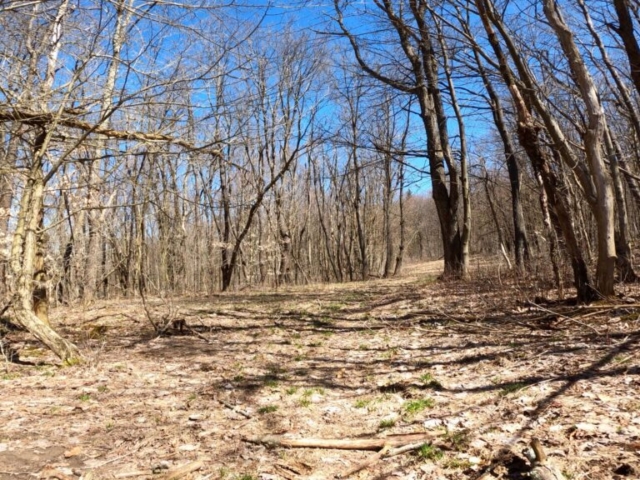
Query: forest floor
{"points": [[480, 368]]}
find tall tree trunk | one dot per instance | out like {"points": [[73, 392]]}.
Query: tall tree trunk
{"points": [[492, 208], [593, 141], [465, 237], [386, 207], [425, 85], [623, 248], [528, 135], [27, 266], [625, 30], [8, 157], [401, 245], [521, 242], [97, 240]]}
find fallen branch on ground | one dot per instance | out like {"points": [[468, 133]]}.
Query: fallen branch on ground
{"points": [[235, 409], [341, 443], [386, 452], [373, 459]]}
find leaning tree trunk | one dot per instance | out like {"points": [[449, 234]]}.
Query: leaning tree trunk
{"points": [[603, 209], [623, 247], [24, 266], [528, 135]]}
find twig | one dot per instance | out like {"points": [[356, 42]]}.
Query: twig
{"points": [[146, 310], [386, 452], [135, 473], [404, 449], [564, 317], [340, 443], [373, 459], [232, 407], [196, 333]]}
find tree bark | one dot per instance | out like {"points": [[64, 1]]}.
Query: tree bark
{"points": [[625, 30], [24, 267]]}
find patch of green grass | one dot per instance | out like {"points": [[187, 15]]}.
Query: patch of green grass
{"points": [[426, 378], [390, 353], [459, 440], [387, 423], [310, 391], [271, 382], [335, 307], [457, 463], [430, 382], [102, 388], [415, 406], [291, 390], [246, 476], [305, 402], [10, 376], [430, 452], [326, 333], [238, 378], [315, 344], [299, 358], [362, 403], [72, 362], [109, 426], [362, 346], [267, 409], [84, 397], [296, 336], [622, 359], [511, 388]]}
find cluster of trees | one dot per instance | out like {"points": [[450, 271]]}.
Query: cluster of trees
{"points": [[171, 148]]}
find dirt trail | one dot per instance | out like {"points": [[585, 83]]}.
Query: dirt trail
{"points": [[472, 363]]}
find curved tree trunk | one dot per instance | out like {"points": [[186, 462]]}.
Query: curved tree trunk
{"points": [[30, 298]]}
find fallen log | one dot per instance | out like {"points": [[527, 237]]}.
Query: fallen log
{"points": [[340, 443]]}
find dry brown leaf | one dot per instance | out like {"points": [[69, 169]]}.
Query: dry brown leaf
{"points": [[74, 452]]}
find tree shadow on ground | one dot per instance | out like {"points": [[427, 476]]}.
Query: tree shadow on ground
{"points": [[296, 346]]}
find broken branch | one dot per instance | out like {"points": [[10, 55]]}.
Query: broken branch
{"points": [[340, 444]]}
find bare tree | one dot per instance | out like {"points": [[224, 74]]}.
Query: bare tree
{"points": [[419, 76]]}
